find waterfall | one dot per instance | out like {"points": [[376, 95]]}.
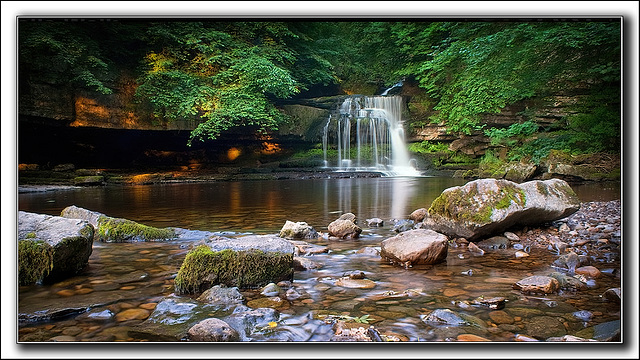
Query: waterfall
{"points": [[374, 123]]}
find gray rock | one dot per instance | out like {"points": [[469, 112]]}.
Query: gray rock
{"points": [[374, 222], [403, 225], [213, 330], [298, 230], [51, 247], [494, 243], [222, 295], [301, 263], [415, 247], [345, 227], [245, 320], [488, 206], [444, 317]]}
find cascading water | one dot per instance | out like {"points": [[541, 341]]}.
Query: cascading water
{"points": [[374, 123]]}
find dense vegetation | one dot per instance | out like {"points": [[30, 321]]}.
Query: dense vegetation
{"points": [[228, 73]]}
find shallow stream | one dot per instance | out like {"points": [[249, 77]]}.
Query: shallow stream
{"points": [[124, 276]]}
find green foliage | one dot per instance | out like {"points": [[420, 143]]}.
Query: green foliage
{"points": [[428, 147], [473, 68]]}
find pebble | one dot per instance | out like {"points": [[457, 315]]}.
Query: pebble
{"points": [[132, 314], [453, 292], [355, 283], [501, 317], [66, 293], [470, 337]]}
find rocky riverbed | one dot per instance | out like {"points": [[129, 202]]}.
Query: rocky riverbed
{"points": [[346, 292]]}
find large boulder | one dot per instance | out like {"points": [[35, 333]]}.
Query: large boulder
{"points": [[110, 229], [415, 247], [487, 206], [345, 227], [245, 262], [51, 247]]}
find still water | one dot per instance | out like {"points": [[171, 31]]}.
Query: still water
{"points": [[262, 207]]}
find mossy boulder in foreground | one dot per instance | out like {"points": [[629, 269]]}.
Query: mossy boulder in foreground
{"points": [[51, 247], [109, 229], [245, 262], [483, 207]]}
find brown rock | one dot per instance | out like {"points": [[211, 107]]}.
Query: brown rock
{"points": [[133, 314], [471, 337], [590, 271], [501, 317], [537, 284], [419, 246], [418, 215]]}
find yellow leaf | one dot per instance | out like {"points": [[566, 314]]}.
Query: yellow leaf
{"points": [[273, 324]]}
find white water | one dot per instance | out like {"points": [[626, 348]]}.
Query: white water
{"points": [[378, 137]]}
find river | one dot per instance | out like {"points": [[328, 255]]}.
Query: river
{"points": [[262, 207]]}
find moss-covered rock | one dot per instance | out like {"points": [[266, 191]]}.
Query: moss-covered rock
{"points": [[51, 247], [109, 229], [246, 262], [591, 167], [486, 206]]}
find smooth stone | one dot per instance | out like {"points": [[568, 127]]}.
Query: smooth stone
{"points": [[543, 327], [590, 271], [63, 338], [501, 317], [537, 284], [133, 314], [470, 337], [214, 330], [355, 283], [453, 292], [269, 302]]}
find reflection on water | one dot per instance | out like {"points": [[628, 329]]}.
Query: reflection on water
{"points": [[123, 277]]}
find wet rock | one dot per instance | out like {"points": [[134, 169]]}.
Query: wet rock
{"points": [[606, 332], [301, 263], [369, 251], [487, 206], [501, 317], [350, 283], [418, 215], [568, 338], [132, 314], [273, 302], [470, 337], [415, 247], [213, 330], [612, 294], [583, 315], [51, 247], [568, 262], [247, 261], [494, 243], [475, 250], [245, 320], [495, 303], [403, 225], [304, 248], [271, 290], [520, 254], [222, 295], [568, 282], [63, 338], [443, 317], [110, 229], [543, 327], [173, 317], [354, 274], [374, 222], [298, 230], [292, 294], [589, 271], [345, 227], [537, 284], [511, 236]]}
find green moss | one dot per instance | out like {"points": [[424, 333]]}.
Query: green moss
{"points": [[35, 261], [30, 235], [462, 208], [118, 230], [203, 267]]}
